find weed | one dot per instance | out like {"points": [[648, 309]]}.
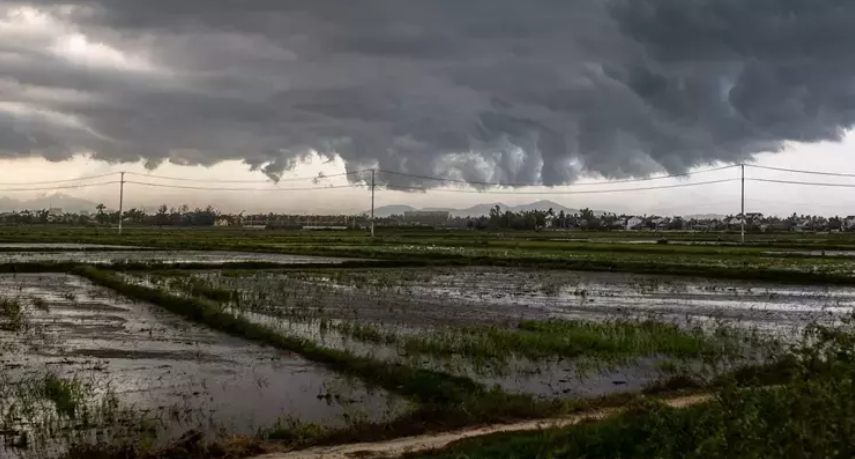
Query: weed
{"points": [[807, 416], [41, 304], [66, 394], [12, 315]]}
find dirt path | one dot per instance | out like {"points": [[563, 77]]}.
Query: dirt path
{"points": [[400, 446]]}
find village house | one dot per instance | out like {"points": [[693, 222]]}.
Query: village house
{"points": [[550, 221], [633, 223]]}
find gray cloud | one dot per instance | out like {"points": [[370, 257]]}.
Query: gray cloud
{"points": [[500, 90]]}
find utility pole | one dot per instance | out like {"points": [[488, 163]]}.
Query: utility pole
{"points": [[743, 204], [121, 199], [372, 202]]}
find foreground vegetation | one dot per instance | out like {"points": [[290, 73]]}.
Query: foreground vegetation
{"points": [[808, 416], [807, 390], [783, 257]]}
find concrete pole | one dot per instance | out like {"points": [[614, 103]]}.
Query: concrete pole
{"points": [[372, 201], [121, 199], [743, 203]]}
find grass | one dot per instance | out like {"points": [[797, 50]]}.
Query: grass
{"points": [[445, 401], [41, 304], [12, 315], [810, 415], [422, 385], [568, 339], [42, 414], [555, 250], [485, 349], [66, 394]]}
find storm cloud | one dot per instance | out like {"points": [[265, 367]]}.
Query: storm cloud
{"points": [[505, 91]]}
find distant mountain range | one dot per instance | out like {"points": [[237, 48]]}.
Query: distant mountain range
{"points": [[478, 210], [56, 201]]}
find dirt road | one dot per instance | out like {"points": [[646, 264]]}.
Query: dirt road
{"points": [[400, 446]]}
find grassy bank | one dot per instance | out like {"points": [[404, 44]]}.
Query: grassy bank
{"points": [[810, 415], [443, 401], [551, 250], [422, 385]]}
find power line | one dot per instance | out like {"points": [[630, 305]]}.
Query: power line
{"points": [[794, 182], [289, 179], [568, 192], [48, 182], [183, 187], [520, 185], [62, 187], [798, 171]]}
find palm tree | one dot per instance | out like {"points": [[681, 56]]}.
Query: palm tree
{"points": [[100, 208], [587, 214]]}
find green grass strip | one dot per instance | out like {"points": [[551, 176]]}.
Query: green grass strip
{"points": [[422, 385]]}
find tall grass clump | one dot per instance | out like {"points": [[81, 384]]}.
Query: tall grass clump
{"points": [[609, 340], [809, 415], [12, 315]]}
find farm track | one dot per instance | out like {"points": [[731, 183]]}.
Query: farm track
{"points": [[425, 443]]}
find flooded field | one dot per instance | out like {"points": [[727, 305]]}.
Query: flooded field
{"points": [[61, 331], [163, 256], [419, 297], [457, 320], [62, 246], [815, 253]]}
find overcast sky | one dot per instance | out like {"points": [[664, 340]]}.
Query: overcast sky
{"points": [[553, 92]]}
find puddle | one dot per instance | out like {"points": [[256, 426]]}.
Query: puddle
{"points": [[544, 378], [161, 364], [405, 302], [163, 256], [815, 253], [428, 297], [62, 246]]}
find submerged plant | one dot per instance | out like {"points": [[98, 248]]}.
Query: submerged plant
{"points": [[12, 316]]}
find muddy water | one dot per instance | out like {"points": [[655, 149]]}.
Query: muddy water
{"points": [[165, 366], [555, 377], [182, 256], [61, 246], [815, 253], [414, 302], [423, 297], [419, 300]]}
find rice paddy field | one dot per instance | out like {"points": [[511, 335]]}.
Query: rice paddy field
{"points": [[225, 343]]}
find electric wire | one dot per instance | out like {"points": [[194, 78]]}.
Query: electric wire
{"points": [[287, 179], [188, 187], [49, 182], [61, 187], [795, 182], [799, 171], [562, 192]]}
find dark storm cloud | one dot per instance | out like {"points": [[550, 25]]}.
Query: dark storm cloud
{"points": [[499, 90]]}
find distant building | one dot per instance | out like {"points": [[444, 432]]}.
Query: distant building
{"points": [[224, 220], [550, 221], [849, 223], [55, 211], [427, 217], [633, 223]]}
